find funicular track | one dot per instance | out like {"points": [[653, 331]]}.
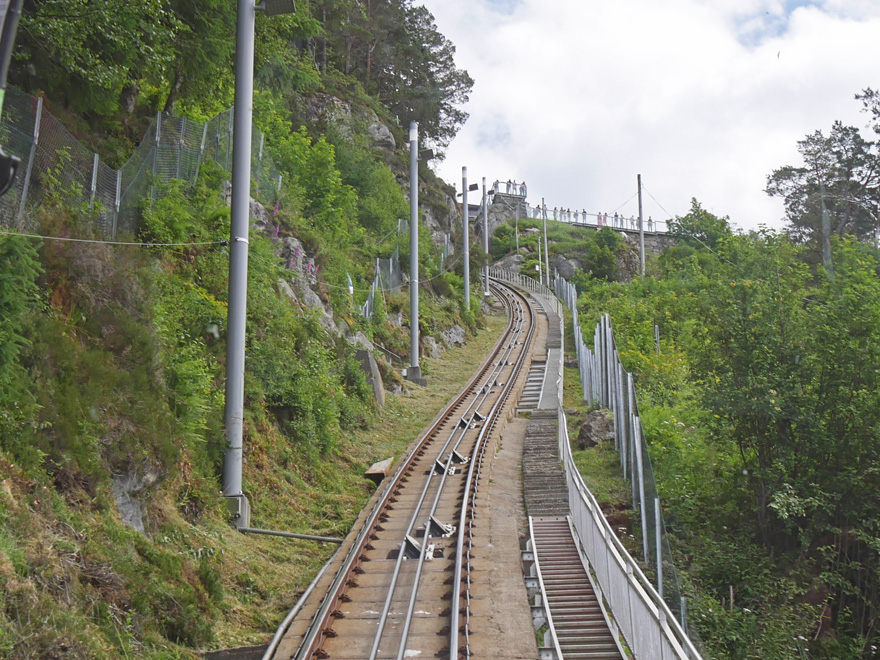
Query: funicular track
{"points": [[404, 586]]}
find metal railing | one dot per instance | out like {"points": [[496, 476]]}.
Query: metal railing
{"points": [[596, 220], [649, 625]]}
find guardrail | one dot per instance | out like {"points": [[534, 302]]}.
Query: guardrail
{"points": [[643, 617]]}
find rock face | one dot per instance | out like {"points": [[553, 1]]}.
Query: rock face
{"points": [[374, 378], [567, 267], [304, 276], [598, 427], [433, 350], [129, 489], [454, 336], [327, 108]]}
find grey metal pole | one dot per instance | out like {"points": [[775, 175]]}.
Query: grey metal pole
{"points": [[640, 468], [38, 116], [95, 161], [517, 227], [641, 228], [546, 251], [201, 153], [238, 261], [466, 240], [117, 203], [414, 371], [659, 543], [485, 241]]}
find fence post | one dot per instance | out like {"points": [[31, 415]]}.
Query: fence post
{"points": [[155, 155], [27, 175], [229, 131], [260, 160], [180, 147], [95, 162], [641, 476], [201, 153], [684, 617], [118, 201], [658, 541]]}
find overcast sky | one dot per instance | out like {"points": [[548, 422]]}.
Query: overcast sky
{"points": [[704, 98]]}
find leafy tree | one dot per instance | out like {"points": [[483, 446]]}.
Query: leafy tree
{"points": [[394, 49], [700, 228], [848, 168], [93, 54]]}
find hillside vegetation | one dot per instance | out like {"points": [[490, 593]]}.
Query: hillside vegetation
{"points": [[114, 540]]}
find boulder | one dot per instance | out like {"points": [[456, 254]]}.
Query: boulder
{"points": [[567, 267], [597, 427], [381, 136], [433, 350], [129, 491], [454, 336]]}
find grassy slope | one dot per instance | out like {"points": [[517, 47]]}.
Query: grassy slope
{"points": [[77, 583]]}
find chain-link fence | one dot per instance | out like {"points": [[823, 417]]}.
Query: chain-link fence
{"points": [[57, 167]]}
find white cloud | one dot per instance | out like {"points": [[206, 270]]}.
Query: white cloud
{"points": [[702, 97]]}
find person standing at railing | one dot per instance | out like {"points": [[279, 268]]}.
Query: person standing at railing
{"points": [[496, 186], [650, 224], [522, 189]]}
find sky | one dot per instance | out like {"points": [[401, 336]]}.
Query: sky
{"points": [[703, 98]]}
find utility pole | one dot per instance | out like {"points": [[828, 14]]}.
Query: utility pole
{"points": [[466, 238], [236, 312], [641, 228], [238, 263], [414, 373], [546, 252], [485, 242]]}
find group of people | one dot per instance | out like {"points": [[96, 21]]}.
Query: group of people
{"points": [[512, 188], [615, 221]]}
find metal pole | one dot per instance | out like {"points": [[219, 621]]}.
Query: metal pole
{"points": [[517, 228], [466, 238], [201, 152], [414, 372], [118, 202], [156, 154], [260, 160], [546, 251], [27, 176], [238, 260], [180, 143], [640, 467], [659, 544], [95, 161], [485, 242], [641, 228]]}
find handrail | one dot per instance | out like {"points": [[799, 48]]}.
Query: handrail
{"points": [[657, 632], [544, 604]]}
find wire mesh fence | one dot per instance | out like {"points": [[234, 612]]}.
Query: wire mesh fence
{"points": [[605, 381], [58, 168]]}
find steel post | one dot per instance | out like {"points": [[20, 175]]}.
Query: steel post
{"points": [[238, 261]]}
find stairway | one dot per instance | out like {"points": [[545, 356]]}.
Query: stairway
{"points": [[581, 629], [544, 486]]}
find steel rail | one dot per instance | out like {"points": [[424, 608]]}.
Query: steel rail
{"points": [[459, 552], [314, 634], [417, 511], [476, 455]]}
